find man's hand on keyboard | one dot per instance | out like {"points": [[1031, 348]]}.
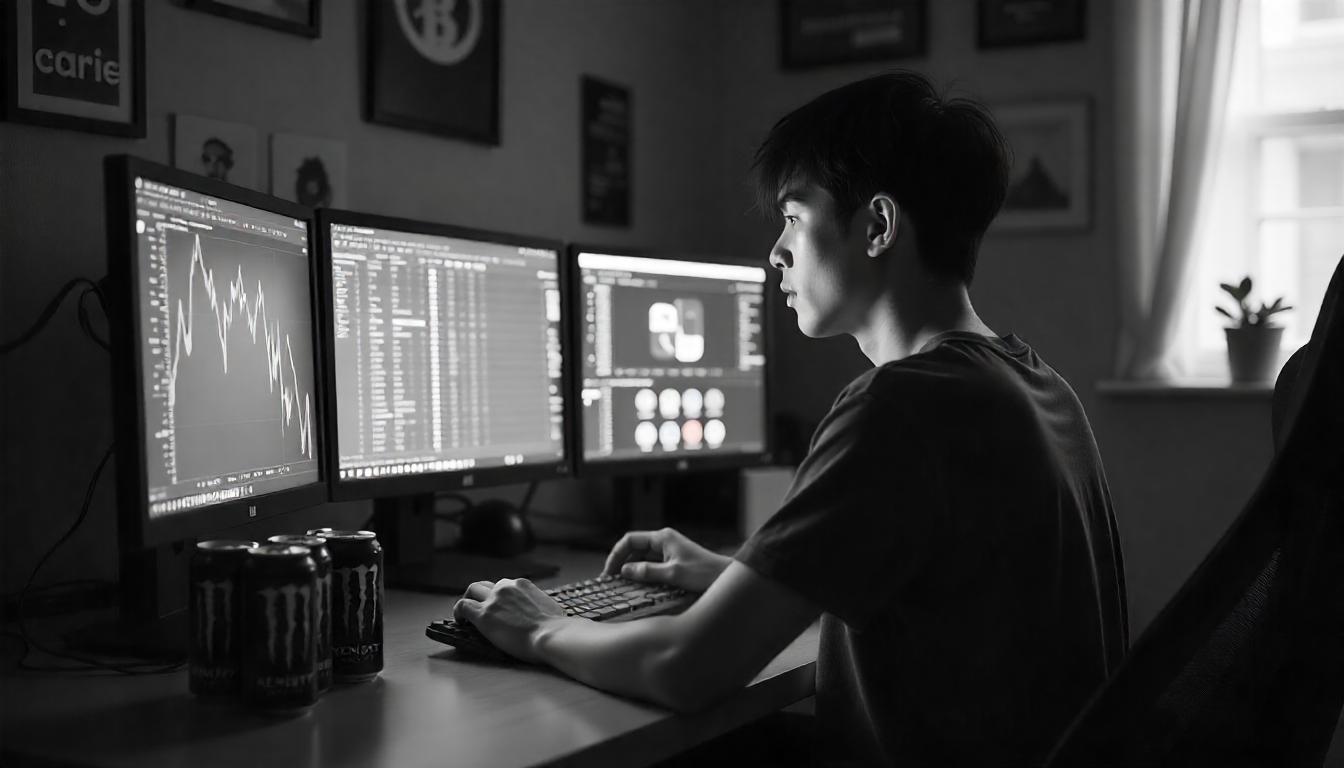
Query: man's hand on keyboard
{"points": [[509, 612], [665, 557]]}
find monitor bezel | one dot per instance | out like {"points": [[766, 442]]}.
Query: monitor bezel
{"points": [[681, 463], [408, 485], [137, 530]]}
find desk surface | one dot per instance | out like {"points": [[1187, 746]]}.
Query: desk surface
{"points": [[430, 706]]}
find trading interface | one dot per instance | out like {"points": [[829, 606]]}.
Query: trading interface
{"points": [[673, 357], [447, 353], [225, 314]]}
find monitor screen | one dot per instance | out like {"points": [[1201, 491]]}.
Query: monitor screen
{"points": [[223, 300], [445, 352], [673, 359]]}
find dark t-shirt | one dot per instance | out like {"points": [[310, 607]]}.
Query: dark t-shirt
{"points": [[952, 520]]}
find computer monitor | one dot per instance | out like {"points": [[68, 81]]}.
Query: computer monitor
{"points": [[445, 368], [673, 362], [217, 401]]}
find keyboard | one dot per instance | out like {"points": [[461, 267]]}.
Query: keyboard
{"points": [[605, 598]]}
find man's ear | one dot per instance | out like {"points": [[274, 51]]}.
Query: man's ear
{"points": [[884, 223]]}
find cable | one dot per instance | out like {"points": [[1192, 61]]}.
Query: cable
{"points": [[50, 310], [88, 663], [527, 498], [86, 323]]}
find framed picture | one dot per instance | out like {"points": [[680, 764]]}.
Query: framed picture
{"points": [[1049, 185], [308, 170], [76, 65], [436, 71], [216, 148], [607, 119], [821, 32], [1005, 23], [300, 17]]}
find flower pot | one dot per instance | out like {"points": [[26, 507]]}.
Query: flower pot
{"points": [[1253, 352]]}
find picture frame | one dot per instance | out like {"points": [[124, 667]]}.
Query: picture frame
{"points": [[422, 80], [607, 122], [1049, 184], [216, 149], [309, 170], [58, 71], [816, 33], [298, 17], [1010, 23]]}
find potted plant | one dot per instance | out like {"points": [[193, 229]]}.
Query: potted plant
{"points": [[1253, 343]]}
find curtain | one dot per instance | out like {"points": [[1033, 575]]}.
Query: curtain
{"points": [[1174, 59]]}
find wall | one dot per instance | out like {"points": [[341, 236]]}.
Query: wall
{"points": [[1179, 469], [54, 393], [707, 86]]}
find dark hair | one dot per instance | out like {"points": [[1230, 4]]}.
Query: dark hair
{"points": [[228, 157], [943, 160]]}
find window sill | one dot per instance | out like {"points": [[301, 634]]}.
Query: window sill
{"points": [[1185, 388]]}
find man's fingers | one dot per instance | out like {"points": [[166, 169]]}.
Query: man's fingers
{"points": [[630, 543], [467, 610], [659, 573], [479, 590]]}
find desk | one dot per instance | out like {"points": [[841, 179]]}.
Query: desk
{"points": [[429, 707]]}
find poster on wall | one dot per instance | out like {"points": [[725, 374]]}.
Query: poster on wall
{"points": [[300, 17], [435, 67], [1003, 23], [820, 32], [606, 152], [1048, 186], [308, 170], [216, 148], [77, 64]]}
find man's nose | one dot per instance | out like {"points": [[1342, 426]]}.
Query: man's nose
{"points": [[780, 256]]}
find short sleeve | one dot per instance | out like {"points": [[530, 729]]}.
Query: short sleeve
{"points": [[858, 518]]}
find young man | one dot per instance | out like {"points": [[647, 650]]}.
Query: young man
{"points": [[951, 522]]}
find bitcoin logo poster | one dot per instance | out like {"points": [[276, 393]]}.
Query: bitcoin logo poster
{"points": [[435, 67]]}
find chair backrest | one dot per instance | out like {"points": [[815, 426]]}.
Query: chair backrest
{"points": [[1245, 665]]}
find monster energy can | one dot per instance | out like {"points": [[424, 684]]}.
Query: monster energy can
{"points": [[280, 639], [317, 547], [356, 605], [215, 639]]}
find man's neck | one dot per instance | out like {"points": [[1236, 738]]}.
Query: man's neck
{"points": [[899, 326]]}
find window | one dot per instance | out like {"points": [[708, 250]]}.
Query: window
{"points": [[1276, 200]]}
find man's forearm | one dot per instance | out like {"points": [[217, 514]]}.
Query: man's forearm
{"points": [[637, 658]]}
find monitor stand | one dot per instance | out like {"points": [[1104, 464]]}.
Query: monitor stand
{"points": [[152, 622], [405, 527]]}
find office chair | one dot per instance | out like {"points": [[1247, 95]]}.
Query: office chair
{"points": [[1245, 665]]}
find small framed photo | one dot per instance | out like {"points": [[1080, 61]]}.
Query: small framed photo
{"points": [[299, 17], [76, 65], [822, 32], [1004, 23], [1049, 186], [216, 149], [435, 71], [308, 170]]}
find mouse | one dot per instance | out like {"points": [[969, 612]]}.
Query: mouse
{"points": [[496, 528]]}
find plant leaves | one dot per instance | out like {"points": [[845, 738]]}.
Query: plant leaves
{"points": [[1224, 313], [1245, 287]]}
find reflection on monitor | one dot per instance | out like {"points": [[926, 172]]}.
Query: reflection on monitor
{"points": [[226, 348], [446, 352], [673, 358]]}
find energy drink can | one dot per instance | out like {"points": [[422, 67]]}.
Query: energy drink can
{"points": [[317, 547], [214, 644], [356, 605], [280, 639]]}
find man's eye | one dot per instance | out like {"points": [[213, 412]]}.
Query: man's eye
{"points": [[791, 219]]}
